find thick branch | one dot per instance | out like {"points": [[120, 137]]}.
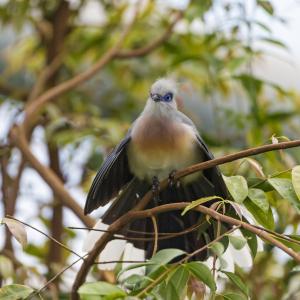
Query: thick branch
{"points": [[34, 107], [218, 161], [153, 45], [18, 134], [47, 72], [148, 213], [136, 213], [18, 137]]}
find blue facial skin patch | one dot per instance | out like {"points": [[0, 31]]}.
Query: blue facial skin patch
{"points": [[168, 97]]}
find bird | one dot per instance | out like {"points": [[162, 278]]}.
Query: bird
{"points": [[160, 141]]}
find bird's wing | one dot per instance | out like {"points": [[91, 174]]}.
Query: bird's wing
{"points": [[213, 174], [111, 177]]}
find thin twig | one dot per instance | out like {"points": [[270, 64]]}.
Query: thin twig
{"points": [[119, 261], [215, 255], [161, 236], [34, 106], [215, 162], [133, 215], [55, 277], [154, 44], [47, 72], [279, 235], [18, 137], [46, 235], [156, 235]]}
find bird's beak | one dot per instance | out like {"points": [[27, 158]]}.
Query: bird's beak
{"points": [[155, 97]]}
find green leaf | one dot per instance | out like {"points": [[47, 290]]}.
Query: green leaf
{"points": [[236, 62], [266, 5], [274, 42], [162, 257], [134, 266], [171, 292], [237, 186], [238, 242], [251, 241], [290, 244], [15, 292], [93, 290], [284, 187], [158, 292], [132, 281], [296, 180], [259, 198], [233, 296], [202, 272], [265, 219], [199, 202], [217, 248], [179, 279], [166, 291], [237, 281]]}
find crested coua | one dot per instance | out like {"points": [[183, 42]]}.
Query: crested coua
{"points": [[160, 141]]}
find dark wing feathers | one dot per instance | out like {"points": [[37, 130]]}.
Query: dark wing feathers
{"points": [[111, 177], [213, 174]]}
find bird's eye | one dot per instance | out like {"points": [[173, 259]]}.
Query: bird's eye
{"points": [[168, 97]]}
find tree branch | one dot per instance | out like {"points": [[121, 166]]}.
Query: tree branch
{"points": [[218, 161], [148, 213], [47, 72], [156, 235], [46, 235], [34, 107], [123, 220], [152, 46], [17, 136], [166, 272]]}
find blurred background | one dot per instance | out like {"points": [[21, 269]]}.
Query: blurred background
{"points": [[237, 67]]}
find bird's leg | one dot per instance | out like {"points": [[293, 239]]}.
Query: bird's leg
{"points": [[155, 189], [171, 179]]}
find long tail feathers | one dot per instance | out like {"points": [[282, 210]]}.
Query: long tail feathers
{"points": [[170, 222]]}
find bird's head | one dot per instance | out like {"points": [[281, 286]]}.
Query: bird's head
{"points": [[163, 91]]}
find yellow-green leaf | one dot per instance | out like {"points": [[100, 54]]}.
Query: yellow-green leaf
{"points": [[284, 187], [199, 202], [237, 186], [296, 180], [259, 198], [15, 292]]}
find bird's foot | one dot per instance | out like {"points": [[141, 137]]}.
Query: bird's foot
{"points": [[172, 181], [155, 189]]}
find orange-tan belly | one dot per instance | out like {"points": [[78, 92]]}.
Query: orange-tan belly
{"points": [[159, 146]]}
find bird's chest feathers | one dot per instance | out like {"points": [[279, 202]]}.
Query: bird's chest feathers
{"points": [[160, 145]]}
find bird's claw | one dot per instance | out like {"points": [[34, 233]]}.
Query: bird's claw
{"points": [[171, 179]]}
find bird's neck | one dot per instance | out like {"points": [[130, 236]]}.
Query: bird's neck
{"points": [[159, 110]]}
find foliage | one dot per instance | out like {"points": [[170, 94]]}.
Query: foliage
{"points": [[215, 66]]}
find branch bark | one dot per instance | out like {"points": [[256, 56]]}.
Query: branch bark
{"points": [[151, 46], [17, 136], [148, 213], [35, 106], [219, 161], [137, 213], [55, 254]]}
